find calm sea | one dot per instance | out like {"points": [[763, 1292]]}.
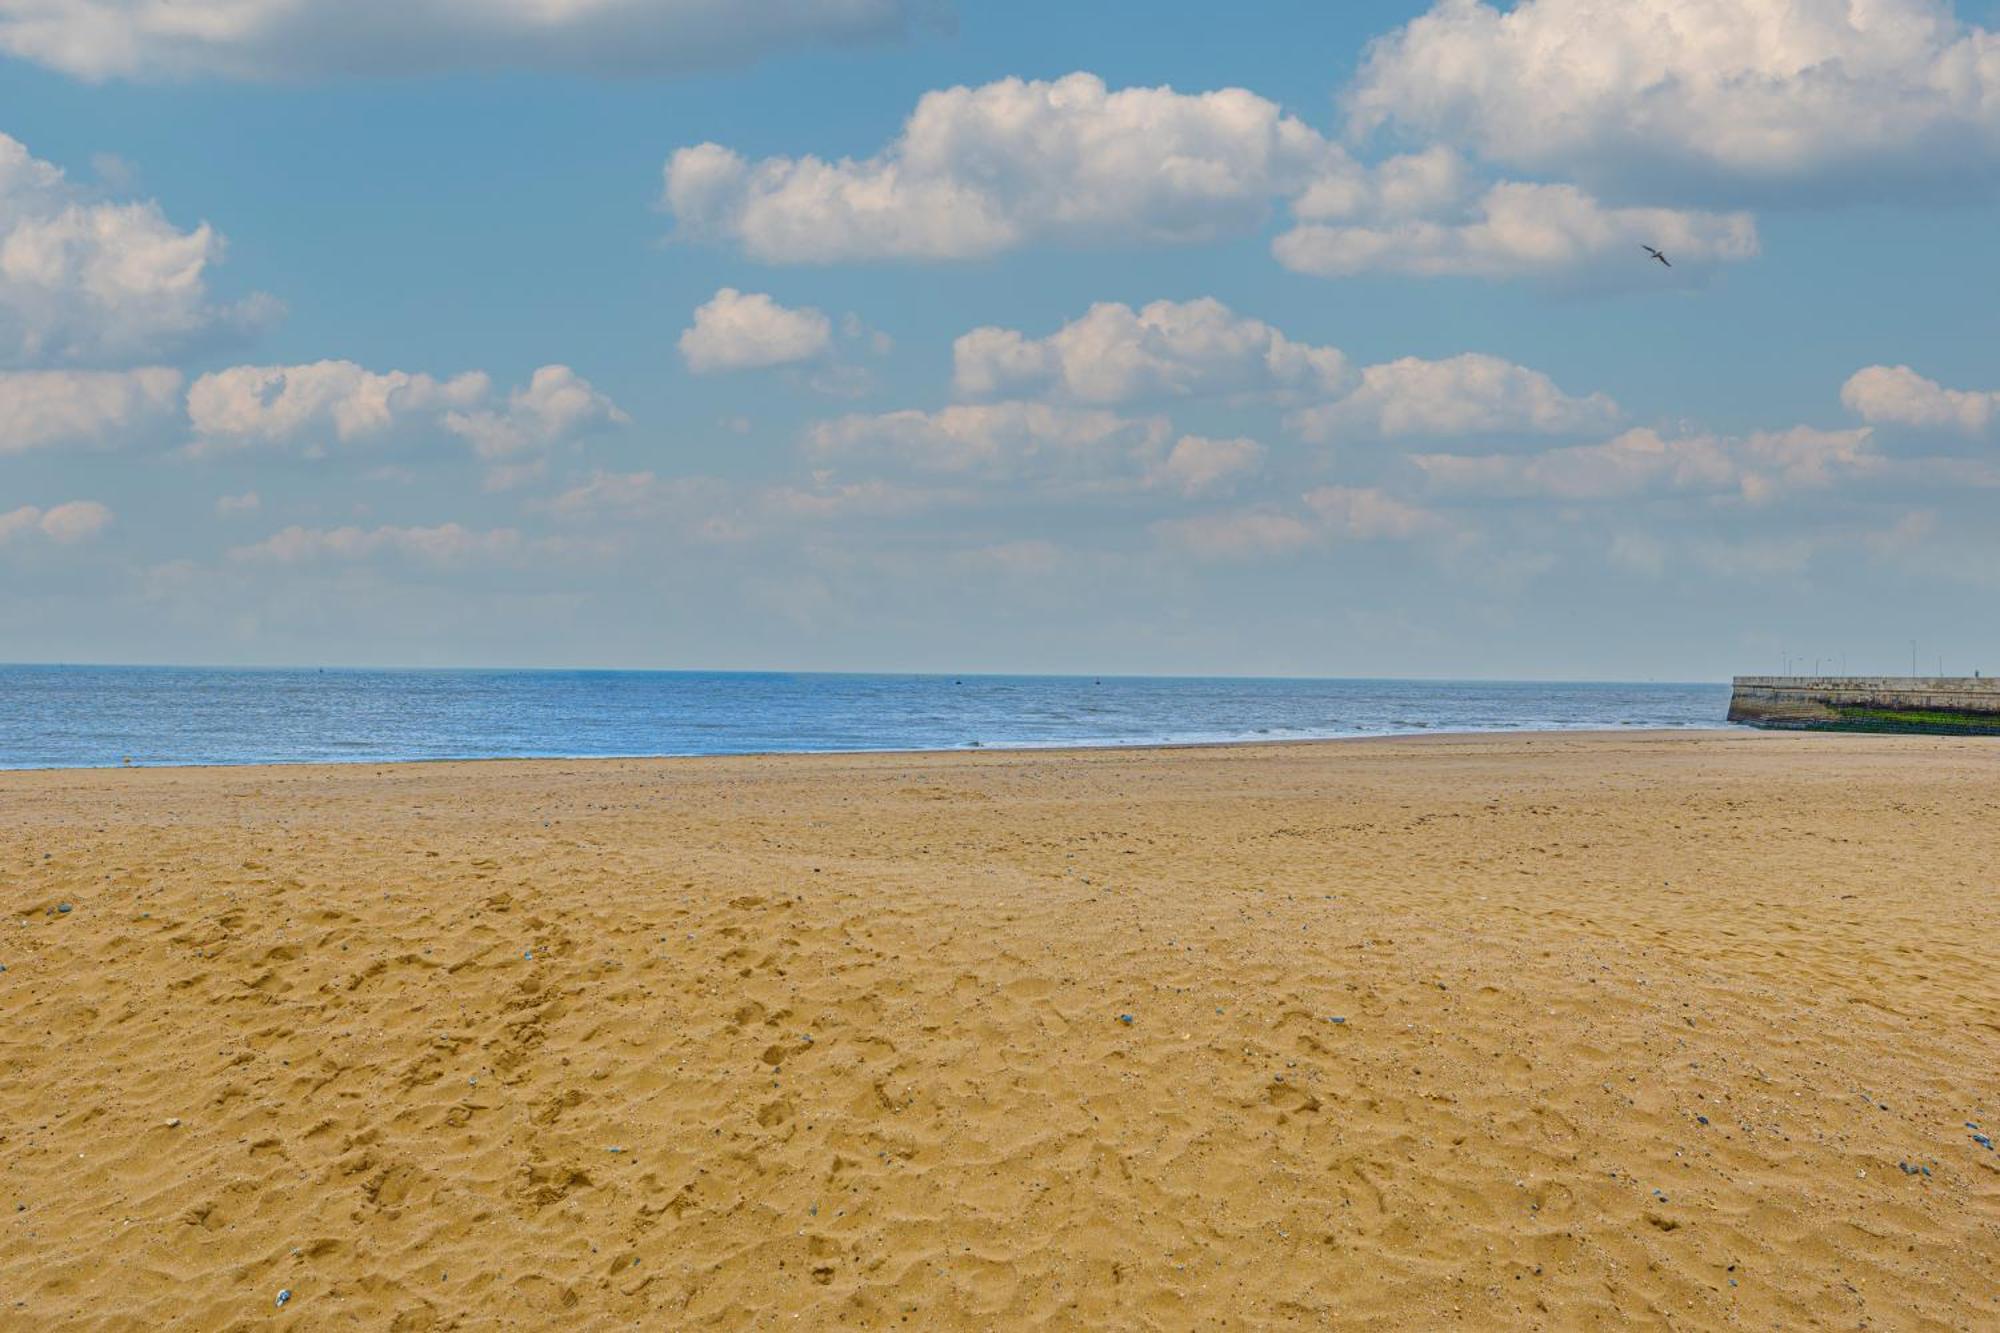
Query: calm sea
{"points": [[71, 716]]}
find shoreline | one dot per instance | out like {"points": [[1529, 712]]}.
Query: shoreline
{"points": [[1053, 748]]}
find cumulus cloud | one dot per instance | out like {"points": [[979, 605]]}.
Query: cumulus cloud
{"points": [[1899, 396], [1472, 394], [445, 544], [1328, 514], [306, 406], [306, 39], [64, 524], [1735, 93], [1755, 467], [556, 404], [1515, 229], [252, 405], [996, 441], [85, 280], [977, 171], [39, 408], [1198, 465], [1166, 349], [749, 331]]}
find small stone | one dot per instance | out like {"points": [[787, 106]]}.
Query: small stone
{"points": [[63, 907], [174, 1123], [1336, 1020], [1127, 1019], [1701, 1120], [284, 1296]]}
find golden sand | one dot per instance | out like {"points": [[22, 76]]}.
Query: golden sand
{"points": [[1638, 1030]]}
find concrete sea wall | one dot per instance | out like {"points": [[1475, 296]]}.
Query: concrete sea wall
{"points": [[1940, 705]]}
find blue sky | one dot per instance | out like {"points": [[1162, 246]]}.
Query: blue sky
{"points": [[1288, 353]]}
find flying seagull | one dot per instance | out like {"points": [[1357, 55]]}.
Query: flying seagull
{"points": [[1655, 254]]}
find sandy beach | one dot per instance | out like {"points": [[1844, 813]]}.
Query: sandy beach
{"points": [[1527, 1032]]}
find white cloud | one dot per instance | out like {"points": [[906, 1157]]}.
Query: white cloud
{"points": [[1806, 92], [1365, 515], [1756, 467], [305, 406], [977, 171], [251, 405], [998, 441], [65, 524], [1472, 394], [1166, 349], [557, 404], [39, 408], [306, 39], [609, 494], [445, 544], [1899, 396], [1330, 514], [228, 506], [1523, 230], [82, 280], [1197, 465], [749, 331]]}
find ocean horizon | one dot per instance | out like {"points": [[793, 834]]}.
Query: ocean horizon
{"points": [[92, 716]]}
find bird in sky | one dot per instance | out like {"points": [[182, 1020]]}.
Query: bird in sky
{"points": [[1655, 254]]}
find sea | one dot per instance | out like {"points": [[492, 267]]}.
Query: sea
{"points": [[102, 716]]}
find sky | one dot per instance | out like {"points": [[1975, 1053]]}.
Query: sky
{"points": [[910, 335]]}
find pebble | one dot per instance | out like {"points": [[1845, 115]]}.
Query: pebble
{"points": [[1983, 1142], [528, 953], [1701, 1120], [174, 1123], [62, 907], [284, 1296], [1336, 1020], [1126, 1019]]}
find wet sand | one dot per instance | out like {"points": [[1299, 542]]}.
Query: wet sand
{"points": [[1558, 1031]]}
